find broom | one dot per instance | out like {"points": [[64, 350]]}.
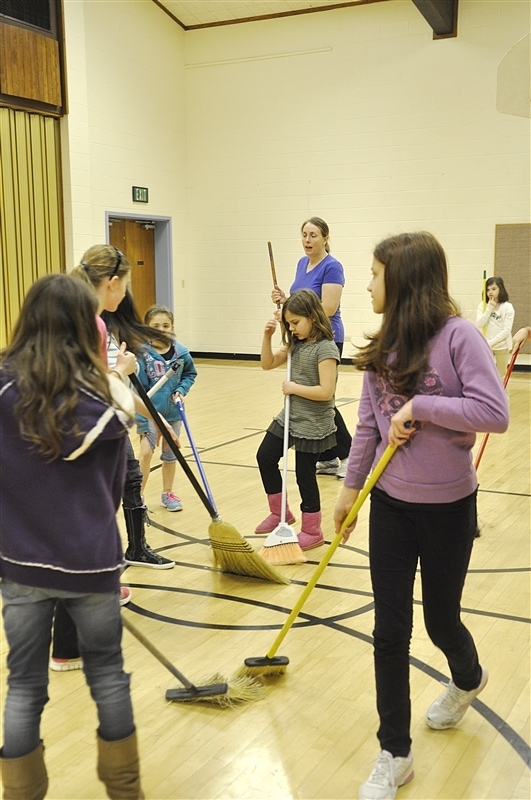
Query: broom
{"points": [[270, 664], [273, 270], [221, 693], [505, 382], [232, 553], [282, 545]]}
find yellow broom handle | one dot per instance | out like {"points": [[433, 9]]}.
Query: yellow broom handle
{"points": [[332, 547]]}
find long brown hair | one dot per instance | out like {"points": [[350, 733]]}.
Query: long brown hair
{"points": [[126, 325], [417, 304], [305, 303], [55, 347]]}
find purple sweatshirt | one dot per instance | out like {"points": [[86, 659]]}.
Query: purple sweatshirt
{"points": [[460, 394], [58, 519]]}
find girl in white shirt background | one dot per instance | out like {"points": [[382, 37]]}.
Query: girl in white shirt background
{"points": [[497, 318]]}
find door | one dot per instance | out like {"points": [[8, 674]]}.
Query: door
{"points": [[136, 239]]}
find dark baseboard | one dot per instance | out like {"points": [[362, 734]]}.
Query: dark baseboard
{"points": [[243, 357]]}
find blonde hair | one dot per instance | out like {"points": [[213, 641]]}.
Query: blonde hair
{"points": [[102, 261]]}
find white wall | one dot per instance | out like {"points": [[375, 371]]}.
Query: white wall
{"points": [[126, 121], [356, 115]]}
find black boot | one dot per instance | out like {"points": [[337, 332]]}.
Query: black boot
{"points": [[139, 553]]}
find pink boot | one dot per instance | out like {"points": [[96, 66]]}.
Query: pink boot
{"points": [[311, 534], [270, 523]]}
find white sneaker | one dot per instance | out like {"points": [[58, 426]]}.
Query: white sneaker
{"points": [[388, 774], [448, 709], [327, 467], [342, 469], [125, 595]]}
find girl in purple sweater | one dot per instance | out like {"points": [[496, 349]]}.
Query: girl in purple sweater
{"points": [[430, 384]]}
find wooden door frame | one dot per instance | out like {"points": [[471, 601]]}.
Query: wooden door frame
{"points": [[163, 251]]}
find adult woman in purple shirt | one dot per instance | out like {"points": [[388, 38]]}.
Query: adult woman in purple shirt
{"points": [[320, 271]]}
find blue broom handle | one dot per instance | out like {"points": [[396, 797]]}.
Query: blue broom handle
{"points": [[180, 406]]}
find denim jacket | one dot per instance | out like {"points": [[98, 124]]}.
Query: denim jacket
{"points": [[152, 367]]}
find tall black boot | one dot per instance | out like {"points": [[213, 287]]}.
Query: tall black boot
{"points": [[139, 553]]}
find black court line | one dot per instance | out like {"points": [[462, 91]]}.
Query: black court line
{"points": [[515, 741], [506, 493]]}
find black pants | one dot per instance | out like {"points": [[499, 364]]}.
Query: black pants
{"points": [[440, 536], [269, 454], [132, 496], [64, 634], [343, 437]]}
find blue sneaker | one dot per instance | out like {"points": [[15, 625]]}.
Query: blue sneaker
{"points": [[170, 501]]}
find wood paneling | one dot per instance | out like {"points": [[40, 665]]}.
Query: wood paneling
{"points": [[30, 66]]}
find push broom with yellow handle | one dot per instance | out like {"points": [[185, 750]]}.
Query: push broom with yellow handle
{"points": [[271, 664]]}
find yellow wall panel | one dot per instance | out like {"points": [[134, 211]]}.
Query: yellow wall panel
{"points": [[30, 207]]}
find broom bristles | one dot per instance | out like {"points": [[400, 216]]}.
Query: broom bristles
{"points": [[282, 547], [233, 554], [282, 554], [262, 671], [241, 688]]}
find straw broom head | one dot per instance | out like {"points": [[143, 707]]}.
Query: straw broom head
{"points": [[240, 689], [232, 553]]}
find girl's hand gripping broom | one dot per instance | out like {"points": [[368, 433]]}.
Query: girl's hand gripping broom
{"points": [[282, 545], [232, 553], [271, 664]]}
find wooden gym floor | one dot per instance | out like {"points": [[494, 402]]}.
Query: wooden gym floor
{"points": [[312, 736]]}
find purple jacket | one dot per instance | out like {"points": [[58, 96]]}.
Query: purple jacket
{"points": [[461, 394], [58, 519]]}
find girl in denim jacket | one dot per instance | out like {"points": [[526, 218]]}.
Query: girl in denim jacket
{"points": [[154, 359]]}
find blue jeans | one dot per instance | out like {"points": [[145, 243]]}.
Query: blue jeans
{"points": [[440, 537], [28, 614]]}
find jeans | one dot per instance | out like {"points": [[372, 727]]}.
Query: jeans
{"points": [[440, 536], [28, 614], [269, 454]]}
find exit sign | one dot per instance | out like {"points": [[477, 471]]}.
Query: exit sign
{"points": [[140, 194]]}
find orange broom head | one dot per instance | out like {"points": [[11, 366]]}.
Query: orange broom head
{"points": [[282, 547], [232, 553]]}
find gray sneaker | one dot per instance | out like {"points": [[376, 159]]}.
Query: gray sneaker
{"points": [[327, 467], [342, 469], [450, 708]]}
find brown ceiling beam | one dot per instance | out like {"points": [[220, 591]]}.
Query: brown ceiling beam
{"points": [[441, 15]]}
